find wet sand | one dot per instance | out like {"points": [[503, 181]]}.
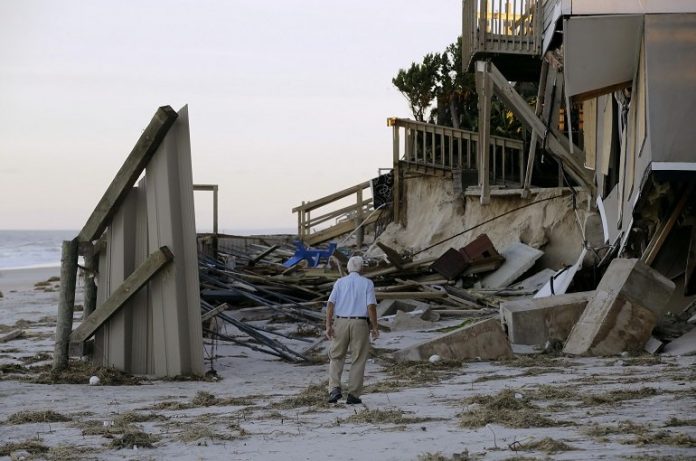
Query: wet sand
{"points": [[17, 279]]}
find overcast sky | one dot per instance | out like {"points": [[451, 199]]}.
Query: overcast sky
{"points": [[288, 100]]}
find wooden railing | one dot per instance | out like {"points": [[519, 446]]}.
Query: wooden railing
{"points": [[345, 219], [450, 149], [501, 26]]}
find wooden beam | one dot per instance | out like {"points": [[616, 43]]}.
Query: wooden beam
{"points": [[662, 233], [526, 116], [380, 295], [152, 265], [396, 187], [690, 274], [541, 103], [14, 334], [484, 88], [215, 311], [128, 174], [392, 255], [263, 255]]}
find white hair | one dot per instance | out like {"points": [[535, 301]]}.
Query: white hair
{"points": [[355, 264]]}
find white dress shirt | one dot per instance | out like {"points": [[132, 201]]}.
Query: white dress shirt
{"points": [[351, 295]]}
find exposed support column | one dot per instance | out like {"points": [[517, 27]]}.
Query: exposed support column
{"points": [[215, 220], [555, 143], [541, 93], [484, 88], [396, 188], [360, 229]]}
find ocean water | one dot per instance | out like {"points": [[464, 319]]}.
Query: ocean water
{"points": [[32, 248], [41, 248]]}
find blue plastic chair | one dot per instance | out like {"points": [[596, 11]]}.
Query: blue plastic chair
{"points": [[312, 255]]}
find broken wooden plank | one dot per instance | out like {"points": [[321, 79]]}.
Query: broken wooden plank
{"points": [[129, 173], [409, 295], [215, 311], [662, 233], [690, 274], [152, 265], [253, 261], [392, 255], [14, 334]]}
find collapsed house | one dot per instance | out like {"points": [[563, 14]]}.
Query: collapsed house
{"points": [[605, 171], [578, 236]]}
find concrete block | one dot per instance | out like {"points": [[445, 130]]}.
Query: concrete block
{"points": [[535, 321], [405, 321], [484, 339], [683, 345], [519, 258], [621, 315], [653, 345]]}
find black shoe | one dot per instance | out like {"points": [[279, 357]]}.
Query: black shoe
{"points": [[335, 395], [352, 400]]}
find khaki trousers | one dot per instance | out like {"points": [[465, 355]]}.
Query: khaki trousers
{"points": [[353, 333]]}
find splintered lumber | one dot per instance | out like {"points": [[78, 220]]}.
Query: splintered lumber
{"points": [[66, 303], [663, 231], [152, 265], [392, 255], [278, 348], [415, 266], [215, 311], [14, 334], [131, 169], [258, 258], [409, 295]]}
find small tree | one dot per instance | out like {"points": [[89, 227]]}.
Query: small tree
{"points": [[418, 84]]}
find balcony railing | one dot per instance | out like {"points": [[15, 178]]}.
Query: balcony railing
{"points": [[329, 217], [449, 149], [501, 27]]}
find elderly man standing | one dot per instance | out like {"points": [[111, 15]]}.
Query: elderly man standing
{"points": [[353, 302]]}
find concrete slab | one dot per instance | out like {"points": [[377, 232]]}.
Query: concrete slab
{"points": [[484, 339], [405, 321], [535, 321], [684, 345], [519, 258], [391, 306], [621, 315]]}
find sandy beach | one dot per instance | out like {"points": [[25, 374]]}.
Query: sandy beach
{"points": [[266, 409], [16, 279]]}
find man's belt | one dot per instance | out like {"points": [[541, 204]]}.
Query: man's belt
{"points": [[341, 317]]}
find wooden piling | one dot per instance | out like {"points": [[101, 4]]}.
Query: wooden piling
{"points": [[66, 303]]}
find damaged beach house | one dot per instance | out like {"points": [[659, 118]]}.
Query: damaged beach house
{"points": [[578, 235]]}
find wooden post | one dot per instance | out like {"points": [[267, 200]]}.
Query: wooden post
{"points": [[360, 229], [90, 272], [484, 88], [66, 303], [215, 221], [396, 188]]}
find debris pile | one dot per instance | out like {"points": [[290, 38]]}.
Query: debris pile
{"points": [[485, 303]]}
